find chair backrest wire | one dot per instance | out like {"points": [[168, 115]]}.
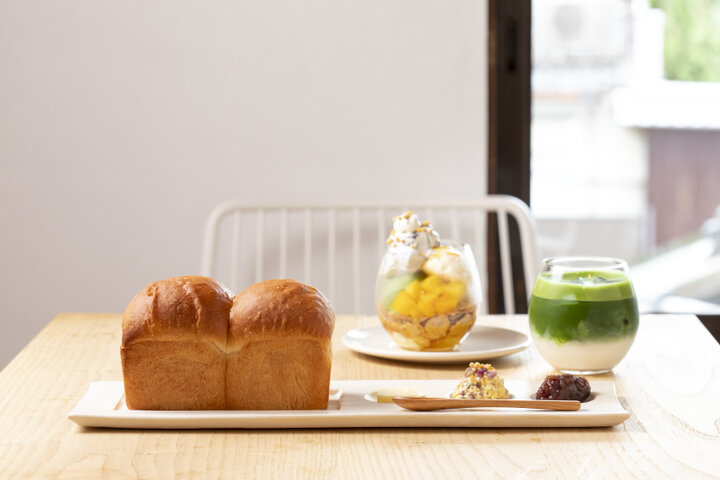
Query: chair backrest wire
{"points": [[235, 214]]}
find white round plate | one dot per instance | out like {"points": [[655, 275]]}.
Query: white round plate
{"points": [[482, 343]]}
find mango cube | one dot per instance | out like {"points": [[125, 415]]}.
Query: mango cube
{"points": [[428, 297], [425, 305], [446, 303], [456, 289], [413, 289], [430, 283], [403, 303]]}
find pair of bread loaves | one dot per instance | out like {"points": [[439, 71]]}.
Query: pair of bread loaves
{"points": [[187, 344]]}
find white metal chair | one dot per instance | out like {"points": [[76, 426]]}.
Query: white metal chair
{"points": [[279, 241]]}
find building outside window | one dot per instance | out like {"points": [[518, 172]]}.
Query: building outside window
{"points": [[626, 141]]}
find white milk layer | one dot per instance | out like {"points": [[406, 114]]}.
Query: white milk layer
{"points": [[583, 356]]}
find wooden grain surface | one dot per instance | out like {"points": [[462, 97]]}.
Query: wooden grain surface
{"points": [[670, 382]]}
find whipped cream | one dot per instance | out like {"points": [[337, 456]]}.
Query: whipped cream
{"points": [[448, 263], [408, 230], [410, 243]]}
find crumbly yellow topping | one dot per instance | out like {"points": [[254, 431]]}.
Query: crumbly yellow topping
{"points": [[481, 381]]}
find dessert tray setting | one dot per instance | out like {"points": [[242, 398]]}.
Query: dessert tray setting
{"points": [[353, 404], [195, 356]]}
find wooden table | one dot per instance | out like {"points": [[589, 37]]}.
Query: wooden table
{"points": [[670, 382]]}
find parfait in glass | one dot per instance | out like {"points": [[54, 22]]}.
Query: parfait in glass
{"points": [[427, 290], [583, 313]]}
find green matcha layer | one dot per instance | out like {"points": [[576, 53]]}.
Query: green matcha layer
{"points": [[584, 286], [583, 306]]}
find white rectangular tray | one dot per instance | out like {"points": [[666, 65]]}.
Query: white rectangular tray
{"points": [[352, 405]]}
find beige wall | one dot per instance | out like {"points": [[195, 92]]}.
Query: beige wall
{"points": [[123, 123]]}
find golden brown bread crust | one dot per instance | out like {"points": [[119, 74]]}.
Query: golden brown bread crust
{"points": [[189, 307], [292, 308], [279, 347], [173, 376], [173, 345], [281, 374], [187, 345]]}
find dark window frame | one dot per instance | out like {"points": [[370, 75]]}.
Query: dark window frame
{"points": [[509, 115]]}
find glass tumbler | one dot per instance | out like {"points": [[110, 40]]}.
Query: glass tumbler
{"points": [[432, 307], [583, 313]]}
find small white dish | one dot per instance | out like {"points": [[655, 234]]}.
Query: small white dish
{"points": [[350, 407], [482, 343]]}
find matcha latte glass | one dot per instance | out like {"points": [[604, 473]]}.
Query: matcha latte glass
{"points": [[583, 313]]}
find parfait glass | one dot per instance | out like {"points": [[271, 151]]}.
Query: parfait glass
{"points": [[432, 306], [583, 313]]}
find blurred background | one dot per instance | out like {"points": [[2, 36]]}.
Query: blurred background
{"points": [[626, 141], [123, 124]]}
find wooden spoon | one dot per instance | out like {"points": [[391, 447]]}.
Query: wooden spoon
{"points": [[430, 403]]}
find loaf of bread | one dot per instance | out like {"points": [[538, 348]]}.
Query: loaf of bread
{"points": [[188, 345], [278, 347], [173, 345]]}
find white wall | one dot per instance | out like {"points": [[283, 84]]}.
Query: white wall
{"points": [[123, 123]]}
